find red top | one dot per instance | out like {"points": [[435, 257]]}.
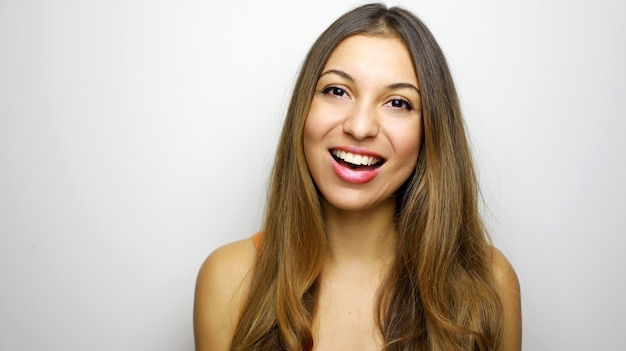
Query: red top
{"points": [[256, 240]]}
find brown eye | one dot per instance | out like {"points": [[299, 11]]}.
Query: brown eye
{"points": [[334, 91], [400, 104]]}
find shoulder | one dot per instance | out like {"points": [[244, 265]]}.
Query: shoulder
{"points": [[508, 288], [221, 289], [503, 270], [234, 258]]}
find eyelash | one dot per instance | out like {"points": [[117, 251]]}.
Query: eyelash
{"points": [[340, 92], [404, 105], [336, 91]]}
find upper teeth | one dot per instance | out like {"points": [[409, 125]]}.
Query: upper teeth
{"points": [[354, 159]]}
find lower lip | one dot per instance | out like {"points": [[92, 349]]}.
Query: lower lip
{"points": [[354, 176]]}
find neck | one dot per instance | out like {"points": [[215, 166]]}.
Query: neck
{"points": [[361, 237]]}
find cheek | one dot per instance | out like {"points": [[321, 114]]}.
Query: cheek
{"points": [[408, 142], [308, 138], [310, 141], [315, 127]]}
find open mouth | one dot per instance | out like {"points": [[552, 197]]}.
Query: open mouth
{"points": [[356, 161]]}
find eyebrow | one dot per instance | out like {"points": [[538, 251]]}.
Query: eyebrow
{"points": [[403, 86], [339, 73], [349, 77]]}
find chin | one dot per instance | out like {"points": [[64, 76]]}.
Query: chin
{"points": [[357, 204]]}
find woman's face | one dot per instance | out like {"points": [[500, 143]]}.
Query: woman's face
{"points": [[364, 127]]}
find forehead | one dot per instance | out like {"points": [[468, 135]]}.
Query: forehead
{"points": [[373, 56]]}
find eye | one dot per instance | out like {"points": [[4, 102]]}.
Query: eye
{"points": [[400, 104], [336, 91]]}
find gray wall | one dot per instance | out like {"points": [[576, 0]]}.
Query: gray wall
{"points": [[136, 137]]}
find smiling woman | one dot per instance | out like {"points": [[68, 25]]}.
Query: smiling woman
{"points": [[363, 109], [372, 238]]}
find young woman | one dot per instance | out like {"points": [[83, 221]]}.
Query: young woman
{"points": [[372, 238]]}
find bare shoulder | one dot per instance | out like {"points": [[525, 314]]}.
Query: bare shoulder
{"points": [[508, 288], [221, 288]]}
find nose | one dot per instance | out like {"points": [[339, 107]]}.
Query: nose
{"points": [[361, 122]]}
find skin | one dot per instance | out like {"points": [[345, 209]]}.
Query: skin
{"points": [[371, 105], [220, 293]]}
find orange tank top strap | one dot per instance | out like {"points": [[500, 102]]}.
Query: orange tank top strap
{"points": [[256, 240]]}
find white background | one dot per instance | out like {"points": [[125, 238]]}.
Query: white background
{"points": [[136, 136]]}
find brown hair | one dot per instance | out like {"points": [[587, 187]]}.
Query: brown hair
{"points": [[439, 293]]}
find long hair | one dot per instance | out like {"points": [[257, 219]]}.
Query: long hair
{"points": [[439, 293]]}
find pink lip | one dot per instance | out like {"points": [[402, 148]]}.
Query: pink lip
{"points": [[350, 175]]}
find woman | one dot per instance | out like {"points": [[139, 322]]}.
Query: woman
{"points": [[372, 238]]}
